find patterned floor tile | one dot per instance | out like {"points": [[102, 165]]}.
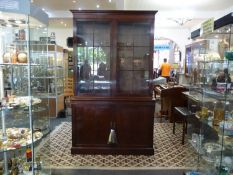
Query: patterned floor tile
{"points": [[169, 152]]}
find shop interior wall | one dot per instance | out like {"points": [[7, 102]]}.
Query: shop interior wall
{"points": [[61, 34], [180, 36]]}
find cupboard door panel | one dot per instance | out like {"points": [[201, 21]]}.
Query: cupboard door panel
{"points": [[134, 127], [92, 123]]}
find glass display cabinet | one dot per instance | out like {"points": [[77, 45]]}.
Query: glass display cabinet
{"points": [[55, 79], [50, 77], [113, 53], [210, 127], [24, 117], [194, 52], [99, 72]]}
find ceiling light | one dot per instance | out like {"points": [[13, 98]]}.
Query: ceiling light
{"points": [[65, 25], [61, 22], [79, 8], [74, 1], [9, 25], [18, 22], [43, 9], [97, 6], [109, 0]]}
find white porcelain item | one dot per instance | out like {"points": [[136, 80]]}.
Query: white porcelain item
{"points": [[22, 57], [7, 57]]}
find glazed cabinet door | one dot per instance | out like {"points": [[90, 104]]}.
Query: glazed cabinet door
{"points": [[133, 56], [93, 58]]}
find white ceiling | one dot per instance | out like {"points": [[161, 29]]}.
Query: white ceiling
{"points": [[199, 5], [169, 11]]}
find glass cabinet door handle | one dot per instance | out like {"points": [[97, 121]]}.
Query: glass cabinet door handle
{"points": [[112, 138]]}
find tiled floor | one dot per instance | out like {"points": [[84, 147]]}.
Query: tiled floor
{"points": [[57, 121], [116, 172]]}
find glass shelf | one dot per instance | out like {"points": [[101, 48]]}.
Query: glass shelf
{"points": [[14, 144]]}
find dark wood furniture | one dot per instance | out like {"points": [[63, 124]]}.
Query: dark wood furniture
{"points": [[113, 53], [171, 96], [131, 118], [182, 115]]}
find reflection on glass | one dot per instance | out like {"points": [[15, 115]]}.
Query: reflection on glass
{"points": [[85, 71], [93, 57], [133, 82], [102, 70], [133, 46]]}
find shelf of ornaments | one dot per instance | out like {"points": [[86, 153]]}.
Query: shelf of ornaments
{"points": [[17, 135], [22, 45], [223, 142], [18, 64], [18, 138], [32, 64], [20, 162], [19, 106]]}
